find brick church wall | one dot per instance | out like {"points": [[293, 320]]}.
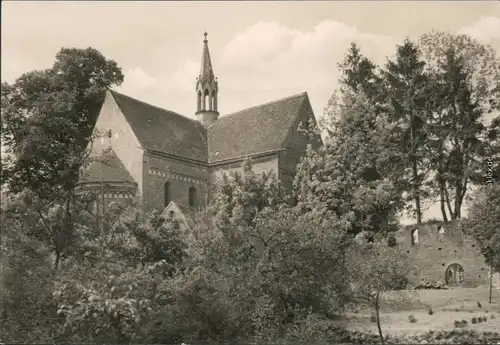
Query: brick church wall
{"points": [[259, 165], [181, 176], [434, 254]]}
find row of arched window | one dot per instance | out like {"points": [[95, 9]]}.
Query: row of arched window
{"points": [[193, 195], [207, 101]]}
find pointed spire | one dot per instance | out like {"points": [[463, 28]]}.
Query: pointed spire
{"points": [[206, 69], [206, 89]]}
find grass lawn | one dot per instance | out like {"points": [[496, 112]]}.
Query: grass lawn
{"points": [[447, 305]]}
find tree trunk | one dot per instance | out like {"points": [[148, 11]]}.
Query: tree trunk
{"points": [[414, 167], [491, 279], [458, 200], [377, 310], [57, 259], [442, 186], [443, 204], [448, 203]]}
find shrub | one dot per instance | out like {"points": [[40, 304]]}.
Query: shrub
{"points": [[474, 320], [492, 316], [412, 318], [401, 282], [373, 318], [391, 241], [460, 323], [430, 312]]}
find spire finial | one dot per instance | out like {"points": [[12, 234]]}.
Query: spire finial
{"points": [[205, 34]]}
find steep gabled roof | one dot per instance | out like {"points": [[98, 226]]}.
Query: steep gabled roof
{"points": [[163, 130], [254, 130], [107, 167]]}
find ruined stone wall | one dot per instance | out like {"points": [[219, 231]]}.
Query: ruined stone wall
{"points": [[435, 252]]}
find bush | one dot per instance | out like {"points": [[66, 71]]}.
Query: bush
{"points": [[449, 337], [460, 323], [430, 285], [373, 318], [480, 319], [391, 241], [492, 316], [430, 312], [401, 283], [412, 318], [474, 320]]}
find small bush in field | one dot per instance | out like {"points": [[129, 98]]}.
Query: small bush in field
{"points": [[430, 312], [460, 323], [373, 318], [492, 316], [412, 318], [485, 318], [474, 320], [480, 319]]}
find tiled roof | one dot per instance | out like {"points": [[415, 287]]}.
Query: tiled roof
{"points": [[108, 167], [163, 130], [251, 131], [254, 130]]}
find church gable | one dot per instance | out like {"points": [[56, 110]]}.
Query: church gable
{"points": [[162, 130], [112, 130], [295, 145], [254, 130]]}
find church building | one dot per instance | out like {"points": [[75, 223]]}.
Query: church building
{"points": [[169, 161]]}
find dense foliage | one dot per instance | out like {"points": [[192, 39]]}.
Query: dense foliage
{"points": [[254, 265], [484, 221]]}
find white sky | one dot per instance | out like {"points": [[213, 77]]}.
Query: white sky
{"points": [[261, 51]]}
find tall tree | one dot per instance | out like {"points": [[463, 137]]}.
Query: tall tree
{"points": [[407, 92], [359, 74], [356, 175], [47, 121], [466, 98]]}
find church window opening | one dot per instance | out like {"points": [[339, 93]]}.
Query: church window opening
{"points": [[109, 133], [206, 101], [199, 101], [166, 194], [214, 100], [454, 275], [193, 196], [171, 214], [414, 237]]}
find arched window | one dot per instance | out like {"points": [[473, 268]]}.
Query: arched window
{"points": [[199, 101], [454, 274], [206, 101], [414, 237], [166, 194], [214, 100], [193, 197]]}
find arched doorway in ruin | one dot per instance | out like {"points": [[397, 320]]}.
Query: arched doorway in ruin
{"points": [[454, 275]]}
